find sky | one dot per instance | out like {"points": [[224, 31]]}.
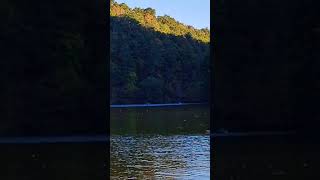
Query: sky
{"points": [[190, 12]]}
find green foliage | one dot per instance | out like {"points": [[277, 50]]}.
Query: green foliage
{"points": [[156, 60], [150, 11], [152, 88], [164, 24]]}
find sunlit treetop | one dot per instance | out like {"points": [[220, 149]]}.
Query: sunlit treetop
{"points": [[164, 24]]}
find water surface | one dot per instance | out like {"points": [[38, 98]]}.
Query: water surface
{"points": [[149, 157], [156, 143]]}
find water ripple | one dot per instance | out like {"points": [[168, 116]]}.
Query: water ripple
{"points": [[155, 156]]}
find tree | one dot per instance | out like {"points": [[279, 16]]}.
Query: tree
{"points": [[160, 60], [150, 11]]}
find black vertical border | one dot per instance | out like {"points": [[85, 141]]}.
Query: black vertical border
{"points": [[107, 37]]}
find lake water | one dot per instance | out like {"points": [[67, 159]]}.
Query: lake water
{"points": [[156, 143]]}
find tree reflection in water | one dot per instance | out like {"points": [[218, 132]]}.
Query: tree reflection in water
{"points": [[149, 143]]}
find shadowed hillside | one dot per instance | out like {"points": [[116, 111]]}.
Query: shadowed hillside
{"points": [[149, 65]]}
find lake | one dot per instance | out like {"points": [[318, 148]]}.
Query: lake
{"points": [[178, 150], [166, 142]]}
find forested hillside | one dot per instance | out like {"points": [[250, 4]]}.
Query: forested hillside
{"points": [[156, 59]]}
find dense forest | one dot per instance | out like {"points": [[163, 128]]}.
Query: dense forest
{"points": [[156, 59], [53, 67]]}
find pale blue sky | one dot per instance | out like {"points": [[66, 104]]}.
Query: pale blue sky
{"points": [[190, 12]]}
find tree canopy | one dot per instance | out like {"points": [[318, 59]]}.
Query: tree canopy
{"points": [[156, 59], [164, 24]]}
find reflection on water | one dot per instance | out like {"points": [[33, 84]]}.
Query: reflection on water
{"points": [[143, 157], [182, 120], [160, 143]]}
